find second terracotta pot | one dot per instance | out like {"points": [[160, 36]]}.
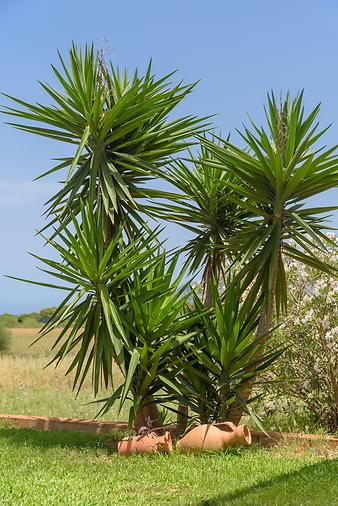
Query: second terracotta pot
{"points": [[208, 437]]}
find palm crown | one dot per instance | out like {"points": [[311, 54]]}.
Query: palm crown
{"points": [[120, 128], [274, 174], [202, 206]]}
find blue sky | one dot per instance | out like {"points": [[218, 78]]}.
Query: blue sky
{"points": [[239, 50]]}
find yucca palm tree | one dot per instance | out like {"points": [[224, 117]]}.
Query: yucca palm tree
{"points": [[277, 170], [95, 281], [203, 207], [122, 308], [123, 138], [244, 205], [222, 358], [157, 327]]}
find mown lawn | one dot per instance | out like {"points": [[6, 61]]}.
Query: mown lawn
{"points": [[41, 468]]}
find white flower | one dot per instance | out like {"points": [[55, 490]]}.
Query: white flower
{"points": [[307, 317], [332, 236], [270, 406]]}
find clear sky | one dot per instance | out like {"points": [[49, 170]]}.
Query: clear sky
{"points": [[238, 49]]}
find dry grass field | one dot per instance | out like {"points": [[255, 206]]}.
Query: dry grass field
{"points": [[27, 388]]}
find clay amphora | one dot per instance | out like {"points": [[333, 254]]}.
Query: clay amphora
{"points": [[208, 437], [148, 443]]}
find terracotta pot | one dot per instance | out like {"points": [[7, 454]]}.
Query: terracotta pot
{"points": [[148, 443], [208, 437]]}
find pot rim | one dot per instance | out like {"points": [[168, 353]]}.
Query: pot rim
{"points": [[245, 432]]}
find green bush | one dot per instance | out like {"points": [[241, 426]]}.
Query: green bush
{"points": [[5, 339], [8, 320], [20, 321]]}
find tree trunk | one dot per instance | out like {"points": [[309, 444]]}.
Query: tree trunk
{"points": [[264, 323], [334, 381], [182, 415], [148, 415], [207, 279], [182, 419]]}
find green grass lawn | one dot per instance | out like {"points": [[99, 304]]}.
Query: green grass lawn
{"points": [[46, 468], [63, 468]]}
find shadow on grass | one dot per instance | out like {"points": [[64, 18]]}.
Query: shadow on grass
{"points": [[62, 439], [313, 484]]}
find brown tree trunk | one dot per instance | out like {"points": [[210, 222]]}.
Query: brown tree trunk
{"points": [[182, 415], [149, 410], [334, 376], [207, 279], [148, 415], [182, 419], [264, 323]]}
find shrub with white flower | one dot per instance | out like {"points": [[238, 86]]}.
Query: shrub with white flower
{"points": [[308, 370]]}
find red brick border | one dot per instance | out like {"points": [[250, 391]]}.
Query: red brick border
{"points": [[73, 424]]}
